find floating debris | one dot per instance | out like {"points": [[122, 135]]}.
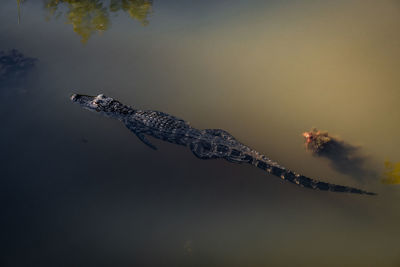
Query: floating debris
{"points": [[344, 157], [188, 247], [318, 142]]}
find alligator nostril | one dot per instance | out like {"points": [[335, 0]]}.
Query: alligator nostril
{"points": [[73, 97]]}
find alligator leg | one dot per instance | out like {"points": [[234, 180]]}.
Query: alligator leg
{"points": [[145, 140], [139, 134], [202, 150]]}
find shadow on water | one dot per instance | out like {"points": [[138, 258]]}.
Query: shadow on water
{"points": [[344, 157], [14, 67], [88, 17]]}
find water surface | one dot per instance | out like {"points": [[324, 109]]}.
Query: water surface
{"points": [[80, 189]]}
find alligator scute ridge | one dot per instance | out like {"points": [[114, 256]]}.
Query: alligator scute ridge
{"points": [[205, 144]]}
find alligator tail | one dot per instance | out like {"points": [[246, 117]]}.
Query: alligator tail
{"points": [[305, 181]]}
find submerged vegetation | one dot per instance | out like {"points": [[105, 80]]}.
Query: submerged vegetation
{"points": [[88, 17], [391, 174]]}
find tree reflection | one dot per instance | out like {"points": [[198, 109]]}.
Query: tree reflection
{"points": [[14, 67], [137, 9], [19, 10], [86, 17], [90, 16]]}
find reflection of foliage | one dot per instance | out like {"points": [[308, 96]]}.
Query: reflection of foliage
{"points": [[392, 173], [14, 66], [19, 10], [19, 2], [86, 17], [90, 16], [137, 9]]}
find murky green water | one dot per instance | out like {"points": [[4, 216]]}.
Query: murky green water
{"points": [[78, 189]]}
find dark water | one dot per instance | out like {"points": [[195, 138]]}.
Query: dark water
{"points": [[78, 189]]}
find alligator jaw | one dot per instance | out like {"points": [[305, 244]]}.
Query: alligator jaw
{"points": [[84, 100]]}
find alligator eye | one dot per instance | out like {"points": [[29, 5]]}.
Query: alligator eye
{"points": [[95, 103]]}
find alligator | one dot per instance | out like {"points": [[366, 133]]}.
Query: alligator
{"points": [[205, 144]]}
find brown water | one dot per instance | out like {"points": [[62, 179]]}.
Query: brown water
{"points": [[80, 189]]}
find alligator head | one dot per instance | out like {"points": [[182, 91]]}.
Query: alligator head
{"points": [[102, 104]]}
